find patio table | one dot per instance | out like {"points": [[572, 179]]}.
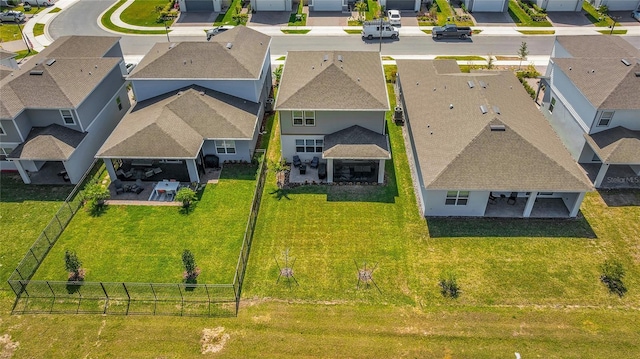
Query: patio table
{"points": [[165, 186]]}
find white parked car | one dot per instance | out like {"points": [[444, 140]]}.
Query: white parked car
{"points": [[13, 16], [38, 2], [636, 15], [217, 30], [394, 17]]}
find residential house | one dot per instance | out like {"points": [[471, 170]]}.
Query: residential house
{"points": [[592, 100], [194, 99], [272, 5], [203, 5], [8, 62], [57, 110], [332, 105], [560, 5], [487, 5], [411, 5], [480, 147], [617, 5]]}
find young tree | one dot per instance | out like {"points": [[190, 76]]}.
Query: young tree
{"points": [[73, 265], [361, 8], [186, 195], [95, 194], [523, 51], [191, 269], [277, 75]]}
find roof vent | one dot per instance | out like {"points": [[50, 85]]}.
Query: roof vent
{"points": [[50, 62], [201, 93], [450, 106], [637, 74], [358, 79], [483, 108], [180, 93], [470, 83], [483, 84], [417, 83], [325, 58], [626, 62], [497, 128], [36, 72], [229, 45], [172, 45], [496, 109], [340, 58]]}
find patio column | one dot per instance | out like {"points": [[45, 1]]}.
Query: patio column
{"points": [[576, 205], [193, 171], [25, 176], [108, 163], [381, 171], [601, 173], [330, 170], [217, 7], [529, 206]]}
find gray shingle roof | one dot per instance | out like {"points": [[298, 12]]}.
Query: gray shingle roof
{"points": [[175, 125], [4, 54], [617, 145], [51, 143], [347, 80], [456, 148], [356, 142], [78, 70], [597, 70], [207, 60]]}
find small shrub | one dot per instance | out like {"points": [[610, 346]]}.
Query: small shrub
{"points": [[187, 196], [612, 274], [95, 194], [73, 265], [191, 270], [449, 286]]}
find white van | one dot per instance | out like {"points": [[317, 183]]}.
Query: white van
{"points": [[371, 29]]}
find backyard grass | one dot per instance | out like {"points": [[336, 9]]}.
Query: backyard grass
{"points": [[38, 29], [595, 17], [521, 18], [143, 13], [106, 22], [305, 31], [154, 237]]}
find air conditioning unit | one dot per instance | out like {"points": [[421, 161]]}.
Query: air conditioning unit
{"points": [[270, 100]]}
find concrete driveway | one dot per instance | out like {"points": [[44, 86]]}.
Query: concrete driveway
{"points": [[195, 19], [327, 18], [269, 18], [568, 18], [409, 18], [492, 19]]}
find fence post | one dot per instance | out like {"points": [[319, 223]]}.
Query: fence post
{"points": [[155, 297], [181, 297], [47, 237], [59, 223], [206, 288], [128, 297], [106, 300]]}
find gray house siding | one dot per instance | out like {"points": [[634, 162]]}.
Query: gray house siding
{"points": [[566, 127], [244, 150], [435, 204], [245, 89], [625, 118], [327, 122], [11, 132], [43, 118], [23, 123], [115, 51], [95, 102], [583, 108]]}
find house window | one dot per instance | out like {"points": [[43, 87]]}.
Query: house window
{"points": [[605, 118], [304, 118], [4, 152], [552, 104], [309, 146], [119, 103], [226, 147], [67, 117], [457, 198], [2, 132]]}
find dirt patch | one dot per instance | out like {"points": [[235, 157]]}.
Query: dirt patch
{"points": [[213, 340], [8, 346]]}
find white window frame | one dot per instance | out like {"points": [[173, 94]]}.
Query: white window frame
{"points": [[607, 118], [4, 153], [552, 104], [457, 198], [73, 118], [2, 131], [223, 147], [304, 144], [301, 117]]}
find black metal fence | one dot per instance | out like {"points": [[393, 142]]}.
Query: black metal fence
{"points": [[121, 297]]}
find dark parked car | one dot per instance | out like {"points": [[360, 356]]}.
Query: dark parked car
{"points": [[451, 30]]}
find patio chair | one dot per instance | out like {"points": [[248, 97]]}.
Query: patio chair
{"points": [[314, 162], [117, 184], [512, 198], [149, 173], [303, 169], [157, 170], [296, 161], [492, 199]]}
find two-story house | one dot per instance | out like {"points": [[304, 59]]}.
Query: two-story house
{"points": [[332, 105], [592, 100], [194, 99], [481, 147], [57, 110]]}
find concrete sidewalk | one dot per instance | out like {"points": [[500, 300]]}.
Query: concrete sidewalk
{"points": [[45, 17]]}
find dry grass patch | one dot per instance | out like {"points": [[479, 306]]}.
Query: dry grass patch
{"points": [[213, 340]]}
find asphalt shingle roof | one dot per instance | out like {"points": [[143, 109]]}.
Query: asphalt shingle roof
{"points": [[356, 142], [175, 125], [617, 145], [51, 143], [242, 59], [332, 80], [456, 147]]}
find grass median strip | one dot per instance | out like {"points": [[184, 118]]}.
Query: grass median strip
{"points": [[38, 29], [537, 32], [106, 22], [299, 32]]}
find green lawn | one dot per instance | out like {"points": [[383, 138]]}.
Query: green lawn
{"points": [[227, 18], [614, 32], [154, 237], [595, 17], [9, 32], [521, 18], [143, 13], [537, 32], [106, 22], [299, 32], [462, 58], [38, 29]]}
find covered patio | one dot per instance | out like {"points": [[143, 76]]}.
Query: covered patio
{"points": [[619, 150], [542, 208]]}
